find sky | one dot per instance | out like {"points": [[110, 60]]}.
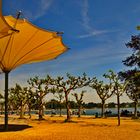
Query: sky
{"points": [[95, 31]]}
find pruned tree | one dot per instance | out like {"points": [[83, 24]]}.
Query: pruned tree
{"points": [[103, 91], [68, 85], [18, 97], [31, 101], [40, 88], [79, 101], [117, 88], [12, 104]]}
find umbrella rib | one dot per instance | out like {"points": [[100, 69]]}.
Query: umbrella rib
{"points": [[5, 36], [48, 55], [10, 49], [1, 62], [0, 51], [56, 53], [2, 65], [27, 42], [6, 47], [31, 51]]}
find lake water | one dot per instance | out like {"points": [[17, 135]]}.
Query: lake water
{"points": [[90, 111]]}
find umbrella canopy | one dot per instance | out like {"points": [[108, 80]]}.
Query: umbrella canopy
{"points": [[30, 44]]}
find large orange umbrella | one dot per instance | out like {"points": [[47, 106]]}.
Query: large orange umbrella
{"points": [[25, 43]]}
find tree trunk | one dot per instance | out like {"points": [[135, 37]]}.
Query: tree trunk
{"points": [[79, 111], [103, 109], [118, 105], [2, 109], [12, 110], [67, 107], [40, 107], [43, 110], [135, 111], [60, 109], [40, 112], [21, 111], [29, 113]]}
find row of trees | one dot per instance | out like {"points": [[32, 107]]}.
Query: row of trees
{"points": [[33, 96]]}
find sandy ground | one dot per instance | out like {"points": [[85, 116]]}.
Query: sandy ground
{"points": [[84, 128]]}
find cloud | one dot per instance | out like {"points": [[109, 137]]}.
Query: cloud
{"points": [[86, 23], [88, 58], [94, 33], [98, 51], [44, 6], [40, 9], [85, 16]]}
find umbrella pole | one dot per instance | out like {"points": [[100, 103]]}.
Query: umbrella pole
{"points": [[6, 101]]}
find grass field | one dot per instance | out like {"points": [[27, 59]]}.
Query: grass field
{"points": [[85, 128]]}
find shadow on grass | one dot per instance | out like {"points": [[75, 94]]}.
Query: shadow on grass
{"points": [[14, 127], [99, 125], [54, 121]]}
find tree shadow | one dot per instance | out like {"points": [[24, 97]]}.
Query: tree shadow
{"points": [[48, 121], [14, 127], [99, 125]]}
